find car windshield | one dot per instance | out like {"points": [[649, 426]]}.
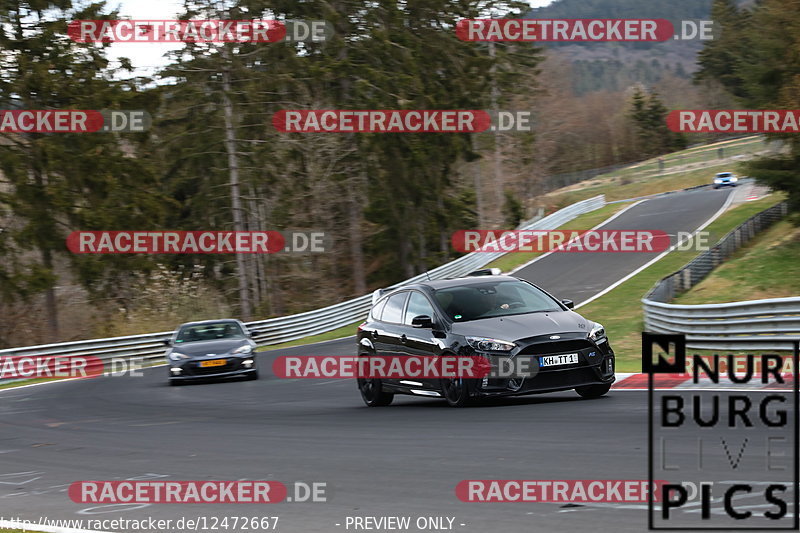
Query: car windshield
{"points": [[209, 332], [724, 175], [493, 299]]}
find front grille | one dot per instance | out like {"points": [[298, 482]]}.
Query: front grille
{"points": [[556, 347], [564, 378]]}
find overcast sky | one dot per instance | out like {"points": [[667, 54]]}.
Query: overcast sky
{"points": [[146, 57]]}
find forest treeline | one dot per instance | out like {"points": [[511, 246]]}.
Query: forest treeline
{"points": [[213, 161]]}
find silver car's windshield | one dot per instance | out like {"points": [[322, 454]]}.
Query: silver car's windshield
{"points": [[209, 332]]}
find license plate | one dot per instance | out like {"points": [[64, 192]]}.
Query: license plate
{"points": [[558, 360], [214, 362]]}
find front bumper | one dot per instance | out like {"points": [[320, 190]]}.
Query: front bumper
{"points": [[191, 369], [553, 381], [595, 366], [214, 376]]}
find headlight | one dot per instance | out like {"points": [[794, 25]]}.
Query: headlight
{"points": [[597, 332], [717, 180], [490, 345], [175, 356], [243, 349], [734, 178]]}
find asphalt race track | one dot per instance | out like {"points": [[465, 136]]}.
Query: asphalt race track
{"points": [[580, 275], [403, 460]]}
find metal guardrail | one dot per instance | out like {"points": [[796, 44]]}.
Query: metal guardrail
{"points": [[292, 327], [772, 324]]}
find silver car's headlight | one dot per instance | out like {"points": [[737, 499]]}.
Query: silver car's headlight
{"points": [[717, 180], [597, 332], [175, 356], [243, 349], [485, 344]]}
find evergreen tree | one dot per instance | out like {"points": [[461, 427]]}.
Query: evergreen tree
{"points": [[57, 182], [757, 61], [648, 114]]}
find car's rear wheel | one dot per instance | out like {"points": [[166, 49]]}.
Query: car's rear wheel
{"points": [[593, 391], [457, 392], [373, 394]]}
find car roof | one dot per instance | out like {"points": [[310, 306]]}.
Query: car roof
{"points": [[721, 173], [204, 322], [458, 282]]}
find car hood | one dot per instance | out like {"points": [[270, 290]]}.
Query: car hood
{"points": [[515, 327], [203, 348]]}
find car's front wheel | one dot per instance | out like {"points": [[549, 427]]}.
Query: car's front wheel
{"points": [[373, 394], [593, 391], [457, 392]]}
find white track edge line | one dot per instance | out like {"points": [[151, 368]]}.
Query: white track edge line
{"points": [[661, 256]]}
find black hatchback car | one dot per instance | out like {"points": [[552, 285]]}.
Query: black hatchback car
{"points": [[211, 349], [495, 317]]}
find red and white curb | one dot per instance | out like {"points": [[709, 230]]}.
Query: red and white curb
{"points": [[684, 382]]}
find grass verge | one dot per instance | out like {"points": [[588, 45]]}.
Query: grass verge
{"points": [[707, 153], [750, 273], [23, 382]]}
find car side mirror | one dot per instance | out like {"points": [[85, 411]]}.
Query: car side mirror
{"points": [[422, 321], [168, 342], [569, 303]]}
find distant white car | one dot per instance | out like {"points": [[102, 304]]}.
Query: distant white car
{"points": [[725, 179]]}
